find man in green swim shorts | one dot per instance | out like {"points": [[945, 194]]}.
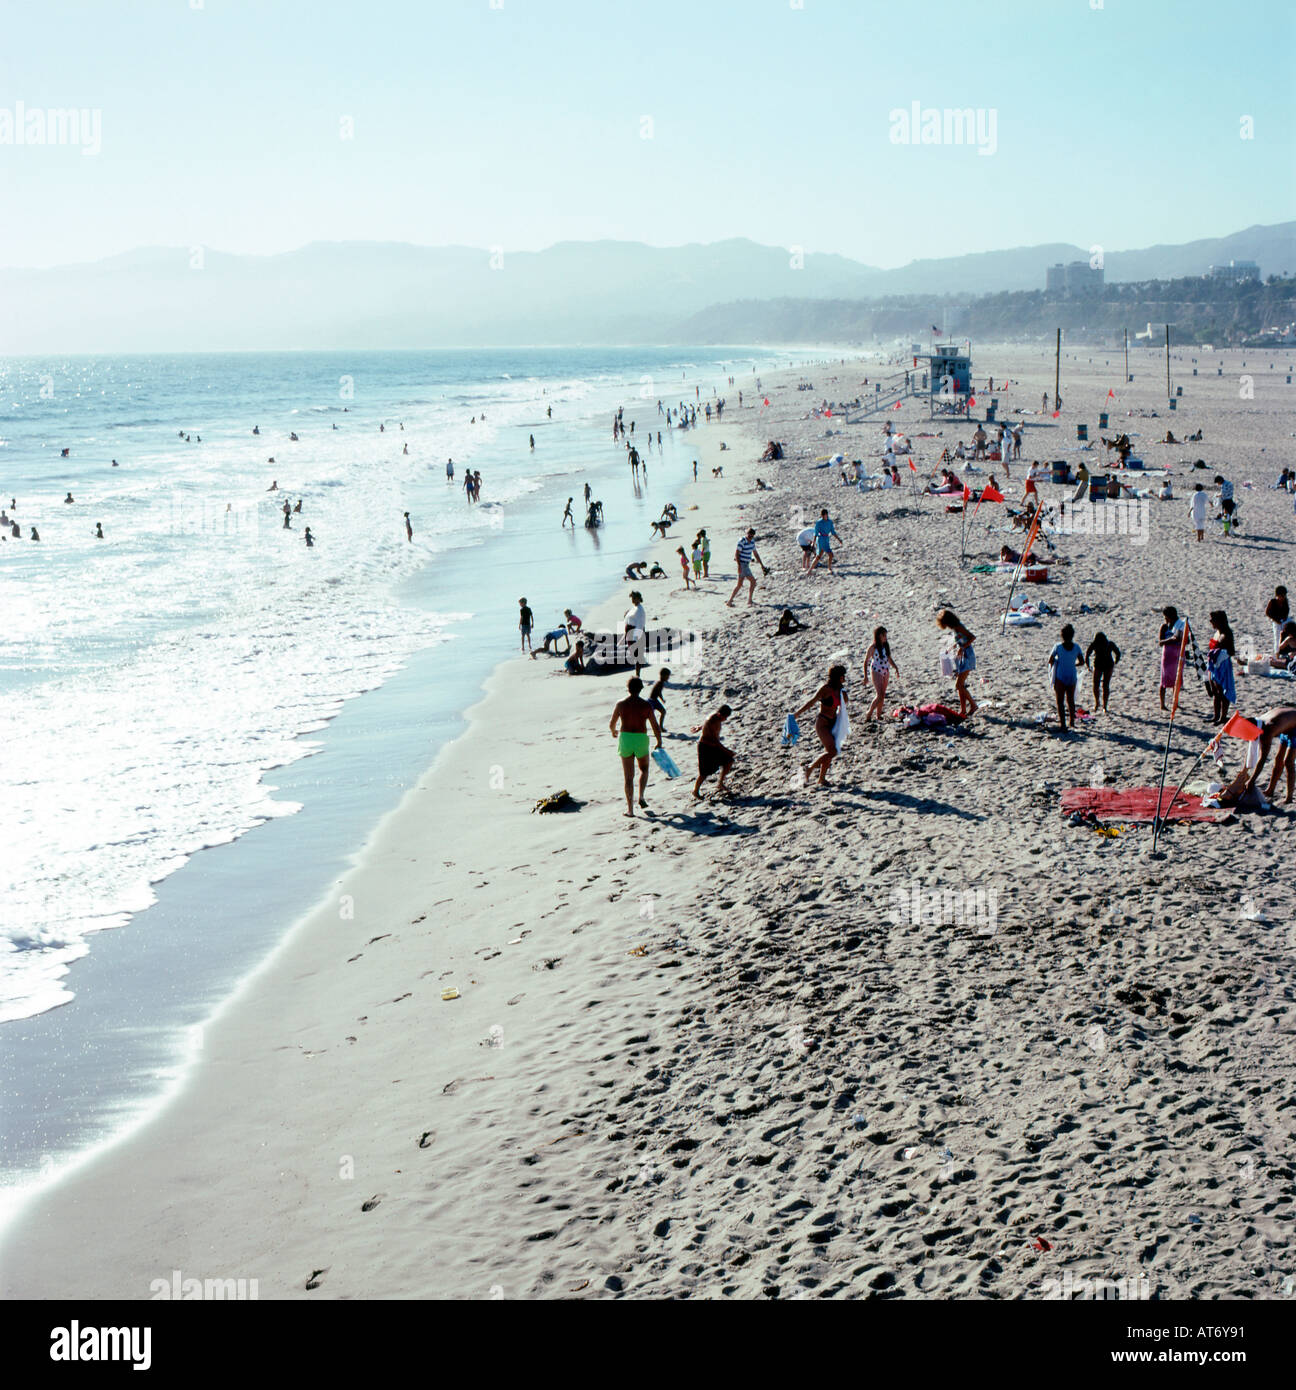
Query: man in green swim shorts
{"points": [[635, 716]]}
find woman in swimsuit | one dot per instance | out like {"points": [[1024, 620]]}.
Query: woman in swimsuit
{"points": [[965, 659], [829, 698], [879, 663]]}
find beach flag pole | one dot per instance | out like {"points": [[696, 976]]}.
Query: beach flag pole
{"points": [[1167, 361], [1159, 820], [1057, 370], [1026, 550]]}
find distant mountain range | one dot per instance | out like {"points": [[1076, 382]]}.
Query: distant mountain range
{"points": [[362, 295]]}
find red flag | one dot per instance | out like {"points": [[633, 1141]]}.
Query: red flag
{"points": [[1111, 395], [766, 400], [897, 405], [911, 465], [971, 402], [990, 493], [967, 493], [1056, 413], [828, 413], [1237, 727]]}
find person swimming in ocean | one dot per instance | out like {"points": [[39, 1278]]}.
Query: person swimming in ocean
{"points": [[99, 535], [68, 498], [274, 486], [310, 540], [297, 508], [256, 429], [34, 535]]}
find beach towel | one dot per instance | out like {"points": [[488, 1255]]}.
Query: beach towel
{"points": [[1136, 804], [664, 761], [791, 731], [841, 727]]}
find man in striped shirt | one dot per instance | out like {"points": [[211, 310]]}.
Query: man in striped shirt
{"points": [[745, 553]]}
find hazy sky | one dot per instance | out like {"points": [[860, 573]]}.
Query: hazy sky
{"points": [[519, 123]]}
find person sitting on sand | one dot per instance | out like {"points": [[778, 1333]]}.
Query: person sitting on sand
{"points": [[1170, 439], [789, 623], [635, 716], [713, 756], [1166, 492], [1285, 651], [830, 697], [575, 663]]}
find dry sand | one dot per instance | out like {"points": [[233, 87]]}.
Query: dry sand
{"points": [[706, 1053]]}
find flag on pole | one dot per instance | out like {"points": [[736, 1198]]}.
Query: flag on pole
{"points": [[936, 332], [1056, 413], [971, 402], [989, 493], [897, 405], [1111, 395], [967, 493], [912, 465], [1238, 727]]}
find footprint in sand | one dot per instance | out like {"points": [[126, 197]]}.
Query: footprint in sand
{"points": [[372, 1202], [314, 1281]]}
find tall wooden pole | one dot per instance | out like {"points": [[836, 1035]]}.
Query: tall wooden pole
{"points": [[1167, 361], [1057, 371], [1127, 357]]}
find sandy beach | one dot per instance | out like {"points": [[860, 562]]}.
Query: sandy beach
{"points": [[744, 1047]]}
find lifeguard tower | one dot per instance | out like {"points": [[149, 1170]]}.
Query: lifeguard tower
{"points": [[949, 374]]}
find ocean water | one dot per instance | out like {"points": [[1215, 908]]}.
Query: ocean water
{"points": [[167, 689]]}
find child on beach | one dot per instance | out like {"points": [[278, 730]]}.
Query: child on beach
{"points": [[964, 659], [706, 554], [879, 663], [1063, 660], [713, 756], [525, 622], [697, 560], [684, 565], [655, 696], [1101, 658]]}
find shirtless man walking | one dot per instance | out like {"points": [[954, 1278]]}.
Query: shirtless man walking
{"points": [[636, 716]]}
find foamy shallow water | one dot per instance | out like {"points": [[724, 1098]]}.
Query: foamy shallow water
{"points": [[152, 679]]}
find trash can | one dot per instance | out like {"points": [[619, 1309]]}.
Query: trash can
{"points": [[1082, 432], [1178, 390], [1173, 402], [1194, 371], [990, 414], [1102, 421], [1061, 472], [1098, 487]]}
